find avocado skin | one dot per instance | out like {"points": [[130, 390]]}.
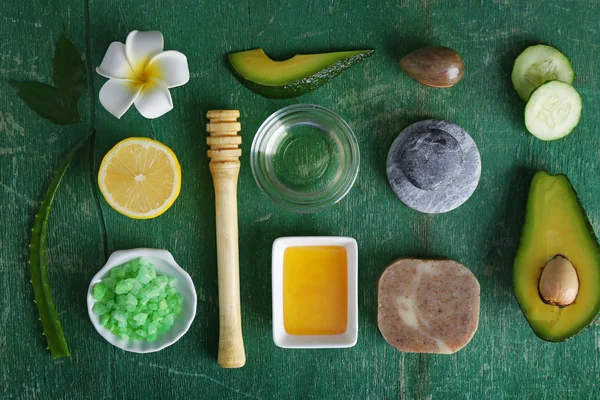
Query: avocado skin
{"points": [[531, 204], [302, 86]]}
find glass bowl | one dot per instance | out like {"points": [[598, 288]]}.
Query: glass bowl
{"points": [[305, 158]]}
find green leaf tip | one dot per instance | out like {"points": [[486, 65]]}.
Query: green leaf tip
{"points": [[37, 261], [57, 104], [68, 71], [48, 102]]}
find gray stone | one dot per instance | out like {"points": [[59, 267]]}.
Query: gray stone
{"points": [[431, 160], [433, 166]]}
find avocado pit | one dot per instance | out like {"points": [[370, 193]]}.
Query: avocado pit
{"points": [[434, 66], [559, 283]]}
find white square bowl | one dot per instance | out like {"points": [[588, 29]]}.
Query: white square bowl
{"points": [[280, 336]]}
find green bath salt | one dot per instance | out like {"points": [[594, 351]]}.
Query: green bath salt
{"points": [[135, 303]]}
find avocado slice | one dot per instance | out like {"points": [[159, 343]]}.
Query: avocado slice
{"points": [[556, 224], [294, 77]]}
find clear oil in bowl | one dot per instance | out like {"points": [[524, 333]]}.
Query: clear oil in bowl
{"points": [[306, 158]]}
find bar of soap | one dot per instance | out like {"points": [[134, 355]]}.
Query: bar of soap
{"points": [[428, 306]]}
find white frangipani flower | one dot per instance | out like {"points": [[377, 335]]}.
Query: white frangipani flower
{"points": [[141, 73]]}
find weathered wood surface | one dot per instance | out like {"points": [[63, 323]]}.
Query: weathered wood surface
{"points": [[505, 358]]}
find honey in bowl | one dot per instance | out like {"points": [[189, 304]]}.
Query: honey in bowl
{"points": [[315, 290]]}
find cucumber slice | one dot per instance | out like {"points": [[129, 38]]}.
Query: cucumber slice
{"points": [[553, 110], [537, 65]]}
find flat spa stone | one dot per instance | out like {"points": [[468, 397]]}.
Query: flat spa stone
{"points": [[433, 166], [428, 306]]}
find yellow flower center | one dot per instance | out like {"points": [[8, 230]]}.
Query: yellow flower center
{"points": [[150, 71], [144, 71]]}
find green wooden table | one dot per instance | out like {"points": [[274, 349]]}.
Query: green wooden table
{"points": [[504, 360]]}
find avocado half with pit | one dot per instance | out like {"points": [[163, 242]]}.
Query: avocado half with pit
{"points": [[556, 274], [294, 77]]}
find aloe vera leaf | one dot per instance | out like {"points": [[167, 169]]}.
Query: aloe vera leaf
{"points": [[37, 264]]}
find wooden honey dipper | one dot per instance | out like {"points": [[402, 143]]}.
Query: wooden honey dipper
{"points": [[225, 167]]}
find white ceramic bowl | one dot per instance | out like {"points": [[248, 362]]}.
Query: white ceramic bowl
{"points": [[165, 265], [284, 339]]}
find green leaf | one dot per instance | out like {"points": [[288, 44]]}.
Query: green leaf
{"points": [[68, 71], [50, 103], [37, 264]]}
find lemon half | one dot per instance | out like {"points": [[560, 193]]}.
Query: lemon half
{"points": [[140, 178]]}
